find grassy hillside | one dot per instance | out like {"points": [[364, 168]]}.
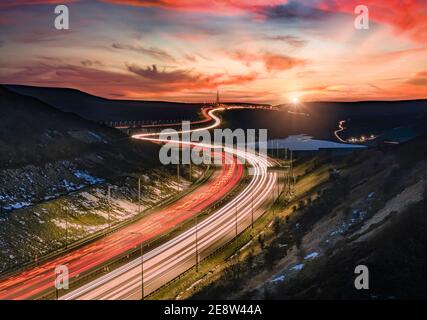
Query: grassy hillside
{"points": [[371, 210]]}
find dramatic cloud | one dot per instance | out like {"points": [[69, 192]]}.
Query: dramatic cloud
{"points": [[138, 82], [91, 63], [420, 79], [292, 10], [154, 74], [408, 17], [190, 57], [271, 61], [289, 39], [277, 62], [156, 53], [15, 3], [36, 36], [217, 7], [248, 49], [188, 78]]}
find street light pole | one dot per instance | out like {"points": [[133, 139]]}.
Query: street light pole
{"points": [[142, 273], [139, 194], [197, 246], [252, 209], [109, 205], [272, 204], [177, 167], [142, 266], [236, 226], [66, 230], [292, 182]]}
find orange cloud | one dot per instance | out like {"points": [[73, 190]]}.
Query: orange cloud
{"points": [[149, 82], [16, 3], [271, 61], [419, 79], [153, 52], [222, 7], [277, 62], [289, 39], [407, 17], [188, 79]]}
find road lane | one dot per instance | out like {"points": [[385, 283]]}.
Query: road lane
{"points": [[38, 279], [171, 259], [168, 260]]}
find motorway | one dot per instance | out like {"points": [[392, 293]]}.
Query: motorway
{"points": [[166, 262], [34, 281]]}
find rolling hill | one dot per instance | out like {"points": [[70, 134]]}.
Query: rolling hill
{"points": [[103, 110], [41, 147], [55, 171]]}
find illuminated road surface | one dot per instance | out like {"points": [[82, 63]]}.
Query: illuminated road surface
{"points": [[340, 128], [169, 260], [36, 280]]}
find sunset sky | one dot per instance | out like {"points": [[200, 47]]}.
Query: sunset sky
{"points": [[260, 51]]}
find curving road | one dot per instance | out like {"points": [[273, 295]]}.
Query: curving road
{"points": [[171, 259], [340, 128], [34, 281], [167, 261]]}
